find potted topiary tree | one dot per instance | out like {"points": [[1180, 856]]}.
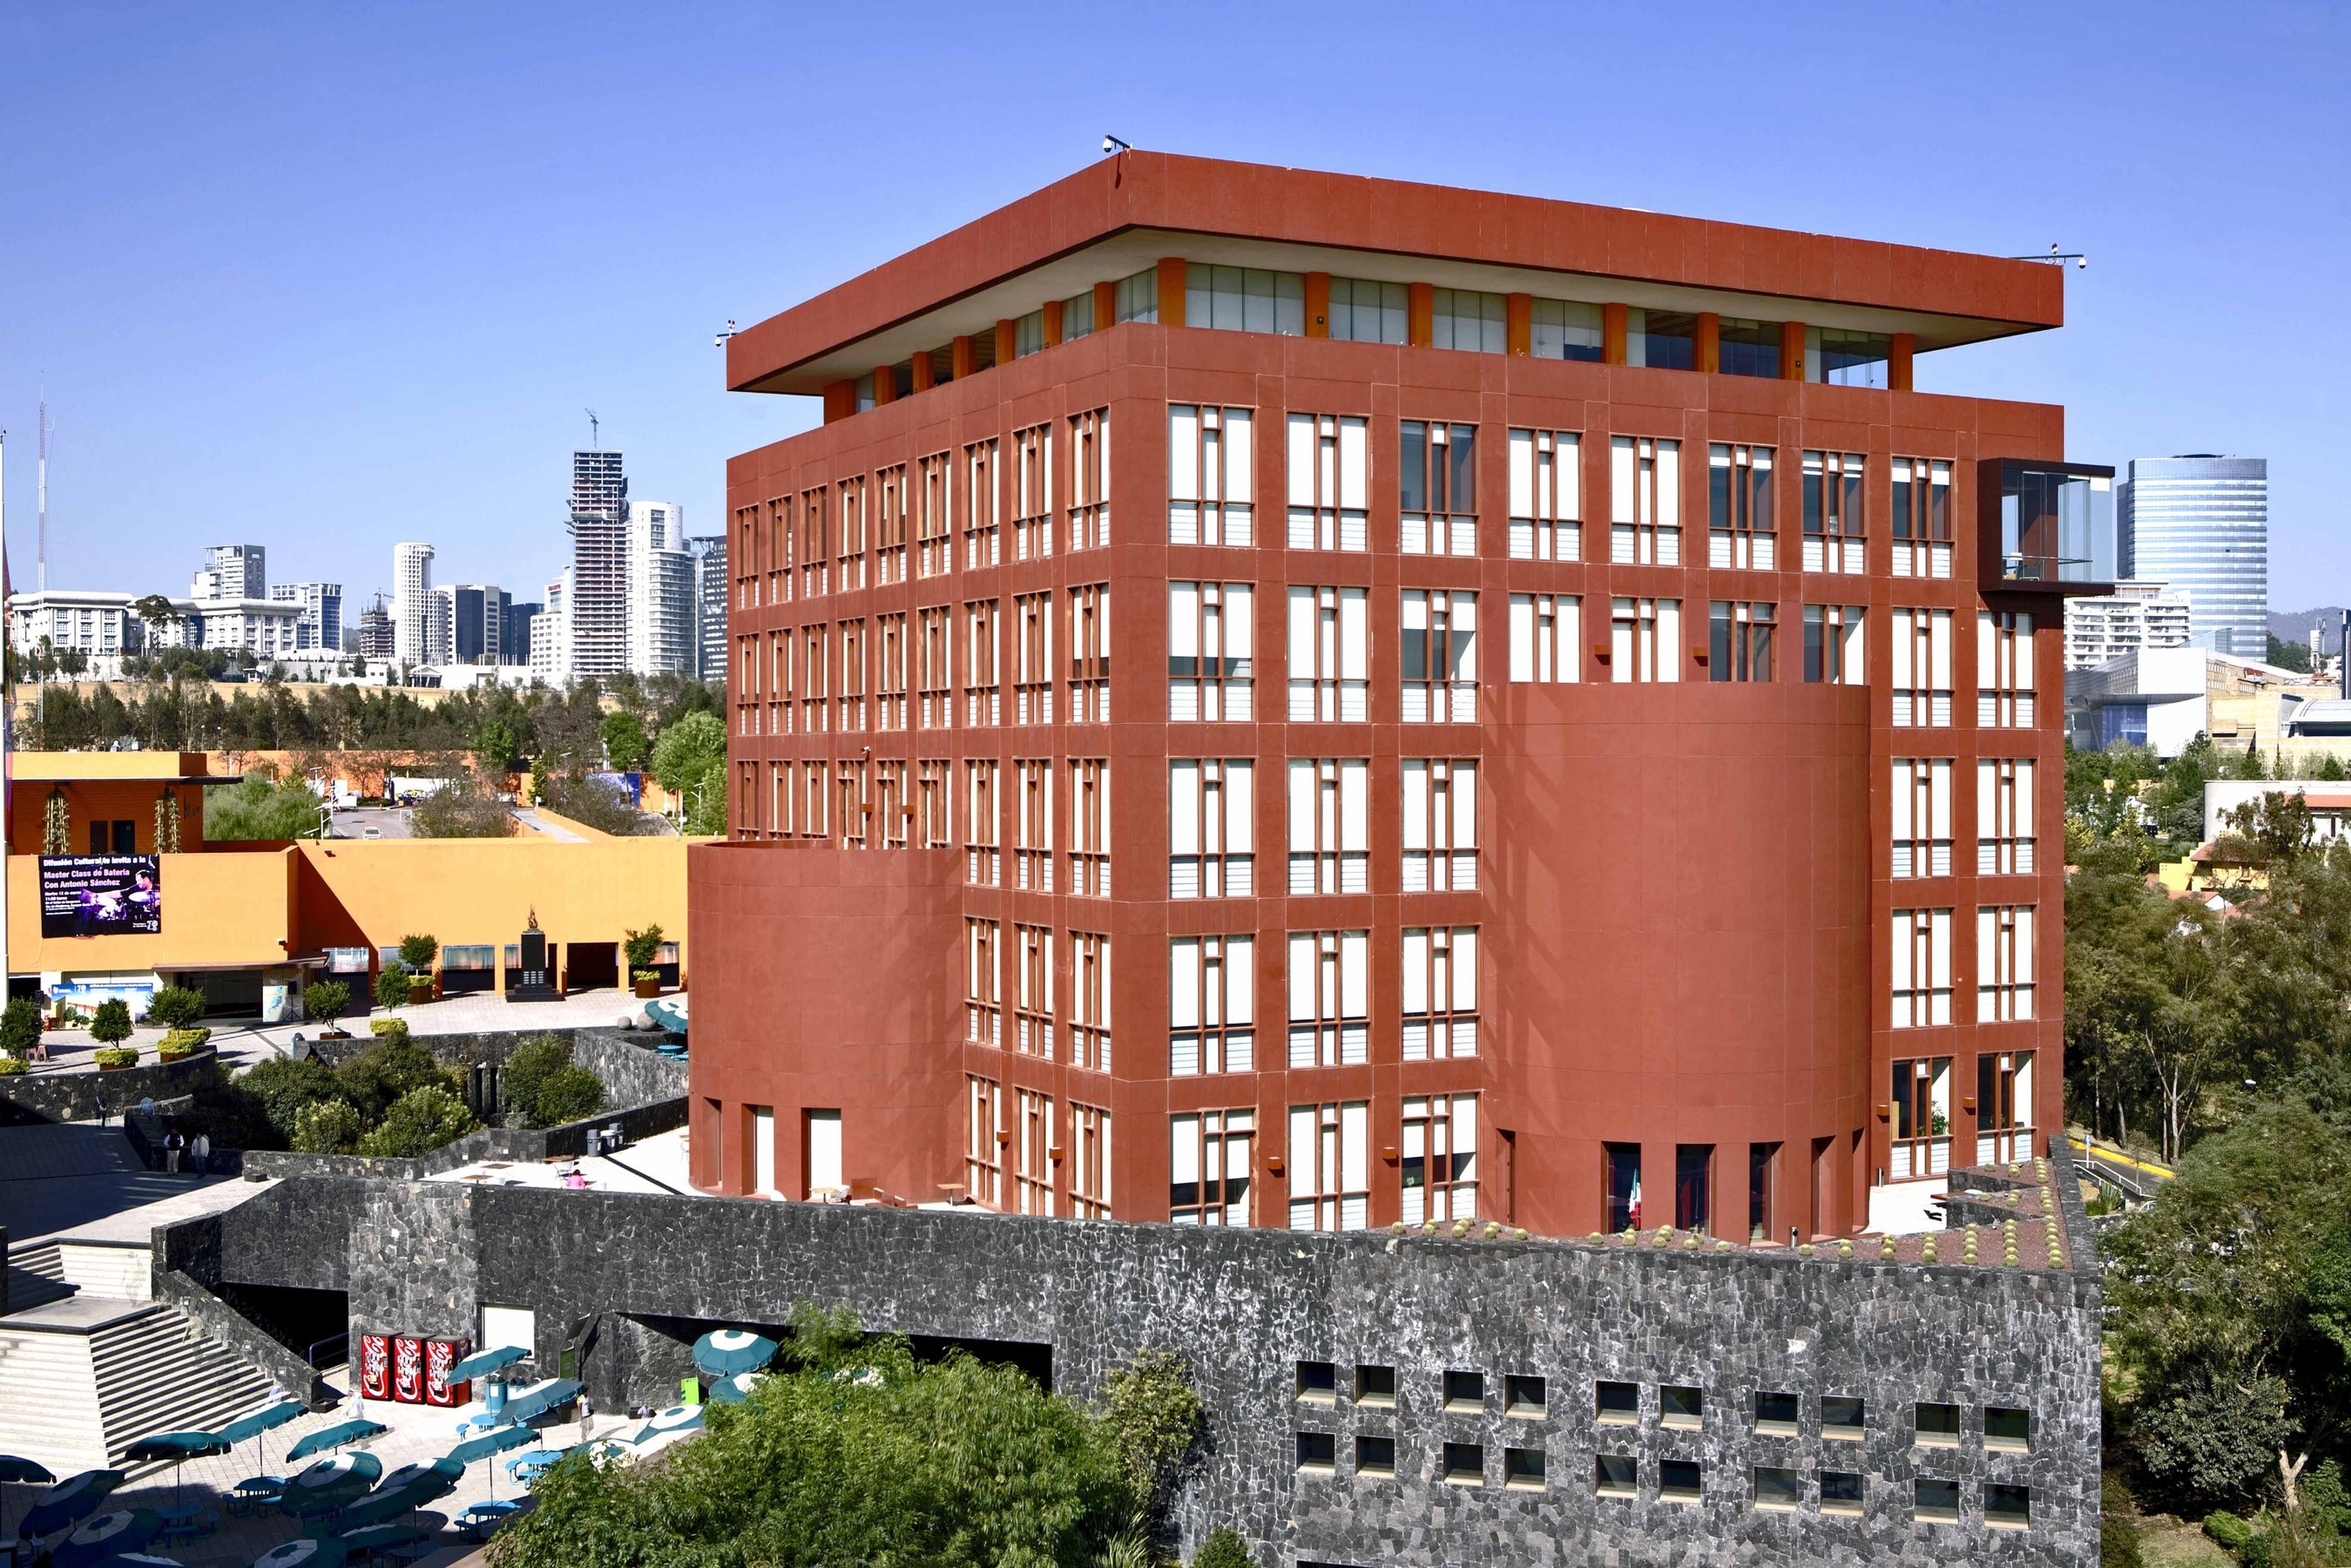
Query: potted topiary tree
{"points": [[391, 987], [642, 948], [176, 1006], [20, 1029], [110, 1025], [416, 955], [324, 1001]]}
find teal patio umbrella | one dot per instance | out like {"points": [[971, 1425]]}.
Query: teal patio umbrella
{"points": [[725, 1351], [330, 1483], [384, 1537], [537, 1402], [342, 1433], [74, 1498], [264, 1420], [735, 1389], [176, 1448], [489, 1444], [125, 1530], [404, 1491], [482, 1362], [676, 1418], [304, 1552], [16, 1470]]}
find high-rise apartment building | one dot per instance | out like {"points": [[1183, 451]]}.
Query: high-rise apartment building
{"points": [[2201, 522], [2137, 617], [415, 615], [709, 607], [661, 589], [321, 625], [233, 571], [550, 634], [597, 611], [1531, 717]]}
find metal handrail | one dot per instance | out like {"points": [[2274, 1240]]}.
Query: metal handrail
{"points": [[343, 1339]]}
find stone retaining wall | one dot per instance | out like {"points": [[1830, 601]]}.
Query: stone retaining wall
{"points": [[79, 1096]]}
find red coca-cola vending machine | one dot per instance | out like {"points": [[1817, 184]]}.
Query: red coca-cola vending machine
{"points": [[408, 1370], [375, 1366], [440, 1356]]}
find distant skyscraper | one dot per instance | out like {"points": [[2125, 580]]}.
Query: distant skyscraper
{"points": [[321, 625], [476, 616], [596, 614], [376, 638], [514, 633], [710, 607], [2136, 617], [2202, 523], [660, 591], [550, 634], [415, 619], [233, 571]]}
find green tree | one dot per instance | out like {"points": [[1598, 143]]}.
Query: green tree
{"points": [[110, 1023], [390, 1069], [20, 1026], [418, 952], [1151, 1419], [1223, 1548], [466, 807], [2285, 655], [328, 1127], [499, 744], [391, 987], [528, 1067], [324, 1001], [419, 1121], [687, 748], [567, 1094], [176, 1006], [285, 1087], [625, 746], [260, 808]]}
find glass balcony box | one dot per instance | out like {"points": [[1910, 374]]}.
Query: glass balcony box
{"points": [[2046, 527]]}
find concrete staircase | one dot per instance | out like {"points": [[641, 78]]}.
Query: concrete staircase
{"points": [[122, 1273]]}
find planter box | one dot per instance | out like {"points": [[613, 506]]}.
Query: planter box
{"points": [[116, 1066], [648, 988]]}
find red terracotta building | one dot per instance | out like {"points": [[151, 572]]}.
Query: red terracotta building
{"points": [[1283, 698]]}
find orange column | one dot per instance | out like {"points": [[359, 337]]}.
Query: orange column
{"points": [[1105, 305], [1897, 361], [1318, 304], [1420, 314], [1519, 324], [1792, 350], [1171, 291], [840, 400], [1053, 322], [960, 359], [1707, 352], [1612, 334], [1004, 332], [885, 385], [922, 370]]}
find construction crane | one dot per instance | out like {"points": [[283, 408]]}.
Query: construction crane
{"points": [[594, 440]]}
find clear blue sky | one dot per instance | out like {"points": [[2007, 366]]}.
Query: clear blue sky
{"points": [[326, 277]]}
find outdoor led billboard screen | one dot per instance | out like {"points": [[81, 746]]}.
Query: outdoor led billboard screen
{"points": [[101, 895]]}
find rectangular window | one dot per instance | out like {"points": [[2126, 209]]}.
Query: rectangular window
{"points": [[2007, 1506], [1469, 320], [1209, 631], [1090, 1164], [1778, 1488], [2003, 1108], [1329, 655], [1840, 1492], [1746, 347], [1440, 1159], [1208, 1167], [1329, 483], [934, 635], [1693, 1188], [1616, 1404], [1439, 656], [2004, 816], [983, 700], [1546, 637], [1090, 827], [1645, 506], [1922, 816], [814, 664], [1833, 536], [1245, 299], [1029, 334], [2005, 962], [1137, 298], [1922, 517], [1921, 1144], [1209, 459], [1033, 492], [815, 553], [980, 502], [1833, 654], [1546, 495], [983, 848], [1032, 1147], [1739, 508], [1922, 669], [1680, 1481], [2004, 669], [984, 1141], [1922, 968], [1330, 1166], [1565, 330], [890, 672], [933, 547], [1936, 1501], [852, 676], [1645, 639], [1033, 658], [1089, 501], [1329, 998], [1210, 1013], [1363, 311], [1738, 641], [1437, 490], [890, 524], [1329, 825], [815, 800], [1440, 992], [1440, 824], [1661, 340], [1089, 1000], [890, 802], [1843, 357], [851, 547], [1210, 812], [983, 996], [1375, 1458], [931, 793], [1616, 1475], [1089, 643], [1032, 824], [1032, 996]]}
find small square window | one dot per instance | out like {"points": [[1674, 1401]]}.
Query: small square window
{"points": [[1616, 1475], [1937, 1502], [1775, 1415], [1523, 1469], [1680, 1406], [1465, 1391], [1777, 1488], [1840, 1492], [1841, 1417], [1465, 1464], [1318, 1383], [1678, 1481], [1523, 1396], [1375, 1456], [2008, 1507], [1619, 1404], [1938, 1427], [1318, 1451], [2007, 1431], [1375, 1385]]}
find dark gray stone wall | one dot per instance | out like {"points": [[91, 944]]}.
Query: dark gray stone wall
{"points": [[632, 1072], [527, 1145], [77, 1096], [1246, 1306]]}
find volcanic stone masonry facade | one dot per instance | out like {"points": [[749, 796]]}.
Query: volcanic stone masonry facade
{"points": [[1248, 1307]]}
